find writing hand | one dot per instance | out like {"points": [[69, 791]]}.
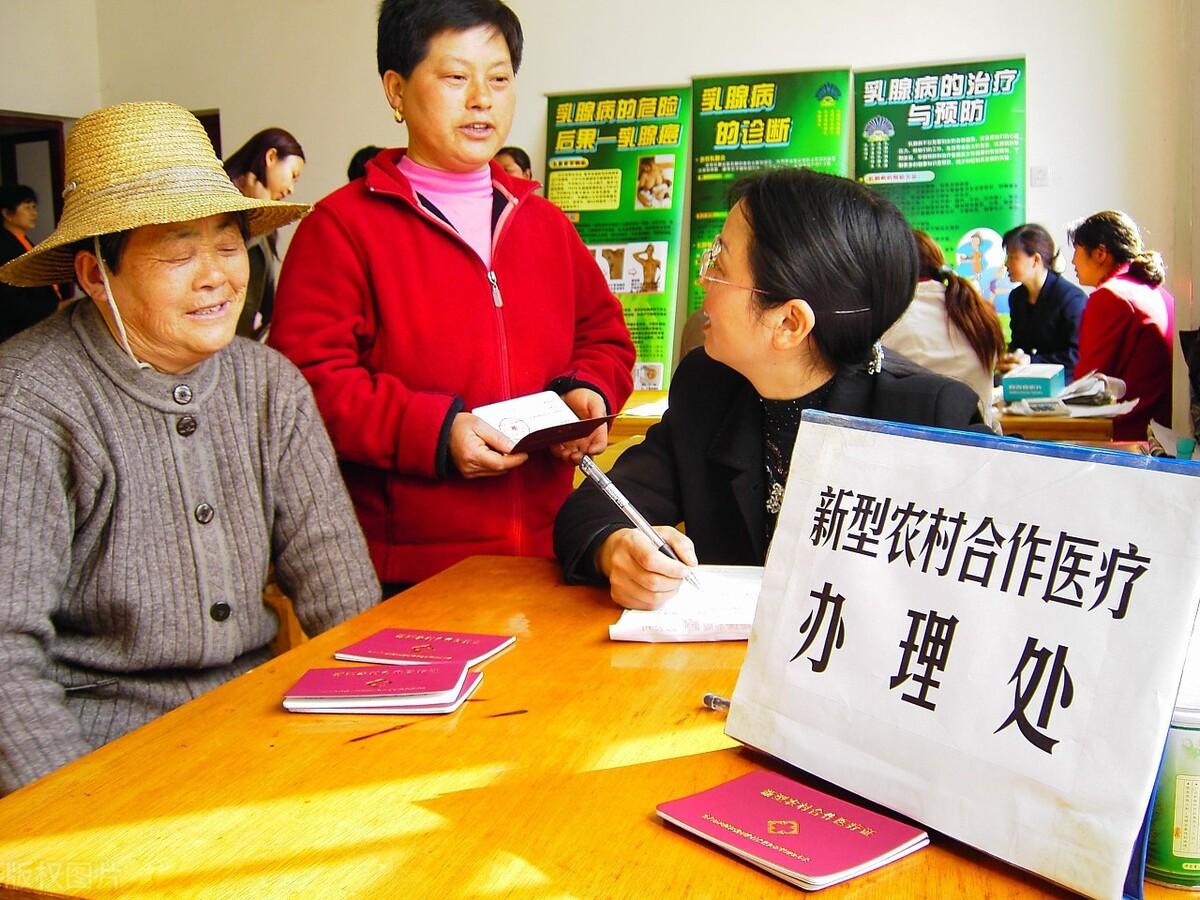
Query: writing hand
{"points": [[639, 576]]}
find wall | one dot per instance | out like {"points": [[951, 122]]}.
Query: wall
{"points": [[1106, 78], [1107, 133], [50, 61]]}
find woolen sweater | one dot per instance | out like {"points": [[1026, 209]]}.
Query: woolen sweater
{"points": [[141, 511]]}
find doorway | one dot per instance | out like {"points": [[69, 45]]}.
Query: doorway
{"points": [[31, 153]]}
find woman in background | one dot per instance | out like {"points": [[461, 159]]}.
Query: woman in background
{"points": [[515, 162], [1044, 309], [20, 307], [808, 272], [1127, 324], [949, 328], [266, 167]]}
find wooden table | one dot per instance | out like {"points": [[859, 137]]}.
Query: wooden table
{"points": [[1058, 428], [543, 786], [627, 426], [1035, 428]]}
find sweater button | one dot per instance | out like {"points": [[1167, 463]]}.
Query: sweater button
{"points": [[182, 394], [186, 426], [220, 611], [204, 513]]}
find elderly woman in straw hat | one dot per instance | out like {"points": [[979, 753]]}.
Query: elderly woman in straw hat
{"points": [[152, 466]]}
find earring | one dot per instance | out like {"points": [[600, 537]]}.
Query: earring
{"points": [[875, 366], [398, 116]]}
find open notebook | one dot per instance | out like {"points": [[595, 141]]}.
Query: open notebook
{"points": [[722, 609]]}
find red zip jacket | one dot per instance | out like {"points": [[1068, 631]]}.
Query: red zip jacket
{"points": [[398, 326], [1126, 332]]}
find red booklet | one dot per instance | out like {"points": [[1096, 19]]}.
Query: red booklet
{"points": [[375, 686], [418, 709], [409, 646], [795, 832]]}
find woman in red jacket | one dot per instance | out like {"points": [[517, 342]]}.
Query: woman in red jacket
{"points": [[1128, 321], [437, 284]]}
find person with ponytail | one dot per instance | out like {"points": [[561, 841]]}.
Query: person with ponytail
{"points": [[1044, 308], [266, 167], [949, 328], [1128, 322]]}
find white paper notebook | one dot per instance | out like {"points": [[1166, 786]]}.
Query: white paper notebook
{"points": [[721, 610]]}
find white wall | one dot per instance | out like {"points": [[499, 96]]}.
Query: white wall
{"points": [[49, 63], [1103, 93], [1110, 102]]}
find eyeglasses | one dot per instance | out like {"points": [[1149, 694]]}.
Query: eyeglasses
{"points": [[709, 257]]}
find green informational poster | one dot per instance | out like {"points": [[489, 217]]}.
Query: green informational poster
{"points": [[946, 144], [613, 163], [746, 122]]}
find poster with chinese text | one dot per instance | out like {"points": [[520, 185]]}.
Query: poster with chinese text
{"points": [[981, 633], [744, 123], [946, 144], [615, 163]]}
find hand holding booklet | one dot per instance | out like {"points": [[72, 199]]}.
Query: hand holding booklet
{"points": [[804, 836], [721, 609], [536, 421]]}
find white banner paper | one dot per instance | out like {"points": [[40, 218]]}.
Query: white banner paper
{"points": [[984, 634]]}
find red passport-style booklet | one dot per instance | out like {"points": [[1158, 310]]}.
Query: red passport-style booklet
{"points": [[416, 709], [375, 686], [792, 831], [413, 646]]}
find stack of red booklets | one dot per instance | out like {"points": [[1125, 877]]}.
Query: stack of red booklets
{"points": [[423, 673], [797, 833]]}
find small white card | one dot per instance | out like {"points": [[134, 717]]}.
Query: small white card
{"points": [[537, 420]]}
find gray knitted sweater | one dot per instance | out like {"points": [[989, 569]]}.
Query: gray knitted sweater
{"points": [[139, 512]]}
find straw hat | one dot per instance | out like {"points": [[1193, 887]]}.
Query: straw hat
{"points": [[137, 164]]}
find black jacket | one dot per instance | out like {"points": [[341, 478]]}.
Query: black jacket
{"points": [[21, 307], [703, 464], [1050, 326]]}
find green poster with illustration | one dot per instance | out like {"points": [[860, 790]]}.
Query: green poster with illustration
{"points": [[946, 143], [742, 123], [613, 163]]}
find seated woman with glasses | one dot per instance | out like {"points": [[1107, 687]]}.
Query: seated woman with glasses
{"points": [[808, 272]]}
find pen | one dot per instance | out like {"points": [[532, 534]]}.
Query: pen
{"points": [[716, 701], [592, 471]]}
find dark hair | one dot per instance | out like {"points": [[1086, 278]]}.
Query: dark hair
{"points": [[966, 309], [407, 26], [13, 195], [358, 162], [1118, 234], [251, 157], [519, 156], [112, 246], [834, 243], [1030, 239]]}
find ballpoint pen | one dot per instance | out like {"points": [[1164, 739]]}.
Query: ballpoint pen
{"points": [[592, 471]]}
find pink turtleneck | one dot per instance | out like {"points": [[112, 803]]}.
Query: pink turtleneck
{"points": [[465, 198]]}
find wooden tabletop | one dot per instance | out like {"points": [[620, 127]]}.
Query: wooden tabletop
{"points": [[626, 425], [1034, 428], [544, 785], [1058, 428]]}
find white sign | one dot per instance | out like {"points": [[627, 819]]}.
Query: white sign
{"points": [[984, 634]]}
